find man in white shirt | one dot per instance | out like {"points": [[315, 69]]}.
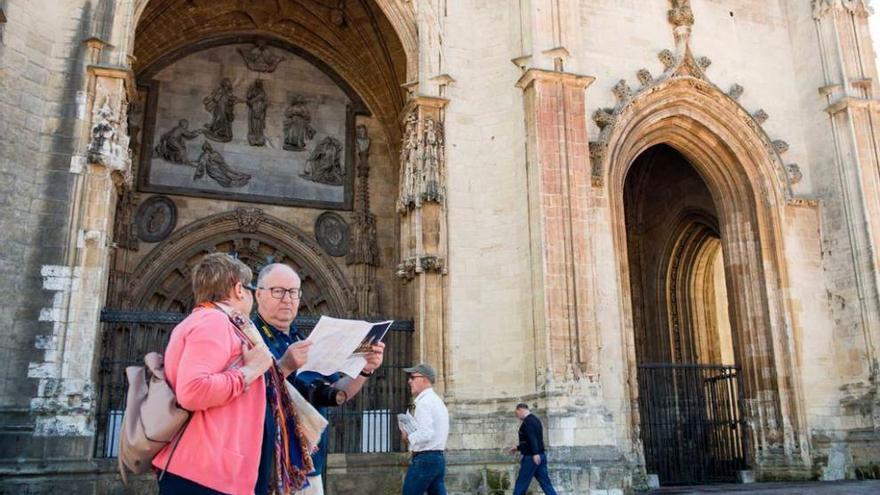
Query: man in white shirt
{"points": [[427, 469]]}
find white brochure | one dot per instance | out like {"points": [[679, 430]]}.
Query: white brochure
{"points": [[339, 345]]}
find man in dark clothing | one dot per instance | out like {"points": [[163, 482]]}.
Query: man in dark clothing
{"points": [[278, 294], [531, 446]]}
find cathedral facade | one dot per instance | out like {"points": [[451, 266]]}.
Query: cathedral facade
{"points": [[656, 221]]}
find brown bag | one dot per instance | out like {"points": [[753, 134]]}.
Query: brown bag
{"points": [[152, 417]]}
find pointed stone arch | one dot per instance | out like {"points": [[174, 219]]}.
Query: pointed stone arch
{"points": [[749, 186], [161, 280]]}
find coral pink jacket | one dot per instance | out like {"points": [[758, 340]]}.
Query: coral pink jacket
{"points": [[220, 448]]}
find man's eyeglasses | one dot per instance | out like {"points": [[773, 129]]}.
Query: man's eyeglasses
{"points": [[249, 287], [413, 377], [279, 292]]}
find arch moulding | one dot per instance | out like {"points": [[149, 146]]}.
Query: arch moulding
{"points": [[255, 226]]}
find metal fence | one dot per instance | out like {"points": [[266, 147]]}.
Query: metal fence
{"points": [[366, 424], [692, 422]]}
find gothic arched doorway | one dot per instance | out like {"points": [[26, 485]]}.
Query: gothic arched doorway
{"points": [[691, 420], [746, 180]]}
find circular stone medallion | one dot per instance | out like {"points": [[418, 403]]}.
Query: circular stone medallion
{"points": [[155, 219], [332, 233]]}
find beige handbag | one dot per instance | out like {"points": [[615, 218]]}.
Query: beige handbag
{"points": [[152, 417]]}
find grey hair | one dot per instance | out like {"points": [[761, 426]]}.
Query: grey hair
{"points": [[266, 270]]}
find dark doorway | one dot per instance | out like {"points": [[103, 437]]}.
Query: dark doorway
{"points": [[690, 386]]}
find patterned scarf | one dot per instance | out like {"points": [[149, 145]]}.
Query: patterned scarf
{"points": [[291, 464]]}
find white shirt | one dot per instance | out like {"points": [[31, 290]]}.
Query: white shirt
{"points": [[433, 423]]}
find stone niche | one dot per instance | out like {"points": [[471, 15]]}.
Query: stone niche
{"points": [[248, 122]]}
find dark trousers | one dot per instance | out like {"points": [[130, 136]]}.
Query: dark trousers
{"points": [[425, 475], [528, 470], [171, 484]]}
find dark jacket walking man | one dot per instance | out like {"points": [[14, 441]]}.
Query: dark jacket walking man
{"points": [[531, 446]]}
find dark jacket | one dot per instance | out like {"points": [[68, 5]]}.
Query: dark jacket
{"points": [[531, 436]]}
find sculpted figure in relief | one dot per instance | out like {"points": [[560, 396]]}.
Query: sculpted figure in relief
{"points": [[108, 147], [409, 158], [213, 163], [221, 103], [259, 58], [172, 144], [297, 125], [257, 105], [431, 186], [325, 163]]}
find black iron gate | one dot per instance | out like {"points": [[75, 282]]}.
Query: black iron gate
{"points": [[365, 424], [692, 422]]}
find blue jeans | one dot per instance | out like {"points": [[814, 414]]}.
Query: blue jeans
{"points": [[425, 475], [528, 470]]}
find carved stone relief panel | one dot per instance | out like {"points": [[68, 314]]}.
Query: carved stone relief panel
{"points": [[249, 122], [332, 234], [155, 219]]}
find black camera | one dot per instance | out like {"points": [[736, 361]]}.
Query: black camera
{"points": [[321, 393]]}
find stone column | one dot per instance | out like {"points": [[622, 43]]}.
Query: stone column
{"points": [[559, 187], [851, 90], [422, 207], [63, 406]]}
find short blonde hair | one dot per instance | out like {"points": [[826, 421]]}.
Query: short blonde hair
{"points": [[216, 274]]}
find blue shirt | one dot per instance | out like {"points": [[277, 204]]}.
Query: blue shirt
{"points": [[278, 342]]}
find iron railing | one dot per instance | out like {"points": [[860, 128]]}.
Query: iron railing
{"points": [[367, 423], [692, 422]]}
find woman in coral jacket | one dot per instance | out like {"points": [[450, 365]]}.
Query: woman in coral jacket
{"points": [[220, 379]]}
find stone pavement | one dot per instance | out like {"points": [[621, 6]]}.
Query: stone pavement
{"points": [[798, 488]]}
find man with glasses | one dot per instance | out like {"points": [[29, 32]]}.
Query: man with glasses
{"points": [[278, 294], [427, 443]]}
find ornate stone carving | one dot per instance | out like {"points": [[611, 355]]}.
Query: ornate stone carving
{"points": [[413, 265], [324, 165], [155, 219], [410, 166], [337, 14], [622, 91], [260, 58], [221, 103], [249, 219], [332, 234], [681, 14], [257, 105], [603, 117], [794, 173], [434, 159], [172, 144], [213, 164], [423, 163], [735, 92], [680, 64], [780, 146], [760, 116], [124, 236], [406, 269], [861, 8], [667, 58], [298, 130], [704, 62], [108, 147], [364, 246], [161, 282]]}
